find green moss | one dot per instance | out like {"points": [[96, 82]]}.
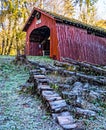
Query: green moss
{"points": [[54, 86], [40, 59]]}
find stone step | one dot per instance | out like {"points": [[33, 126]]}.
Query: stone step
{"points": [[50, 94], [42, 87], [39, 76], [58, 106], [36, 71], [64, 120], [68, 123], [43, 81], [54, 102], [54, 98], [64, 113]]}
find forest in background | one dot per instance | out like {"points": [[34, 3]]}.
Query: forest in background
{"points": [[14, 13]]}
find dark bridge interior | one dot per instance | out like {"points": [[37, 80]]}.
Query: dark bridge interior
{"points": [[42, 36]]}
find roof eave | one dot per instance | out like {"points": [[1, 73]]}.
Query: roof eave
{"points": [[26, 26]]}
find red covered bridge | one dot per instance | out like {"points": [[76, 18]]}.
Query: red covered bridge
{"points": [[54, 35]]}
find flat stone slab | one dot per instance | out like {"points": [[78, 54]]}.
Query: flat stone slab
{"points": [[69, 95], [58, 106], [43, 81], [44, 87], [64, 113], [50, 98], [86, 113], [41, 88], [50, 93], [65, 120], [39, 76], [64, 86]]}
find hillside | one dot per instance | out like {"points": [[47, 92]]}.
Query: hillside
{"points": [[20, 109]]}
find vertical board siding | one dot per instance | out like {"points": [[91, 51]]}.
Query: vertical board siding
{"points": [[77, 44], [35, 50]]}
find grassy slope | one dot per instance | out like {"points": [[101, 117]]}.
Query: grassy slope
{"points": [[23, 112], [20, 112]]}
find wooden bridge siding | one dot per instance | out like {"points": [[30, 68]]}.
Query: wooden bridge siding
{"points": [[35, 50], [45, 21], [77, 44]]}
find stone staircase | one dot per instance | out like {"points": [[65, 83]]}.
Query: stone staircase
{"points": [[56, 105]]}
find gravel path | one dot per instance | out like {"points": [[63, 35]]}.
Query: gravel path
{"points": [[20, 111]]}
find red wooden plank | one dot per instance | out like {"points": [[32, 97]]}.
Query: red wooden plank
{"points": [[77, 44], [35, 49]]}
